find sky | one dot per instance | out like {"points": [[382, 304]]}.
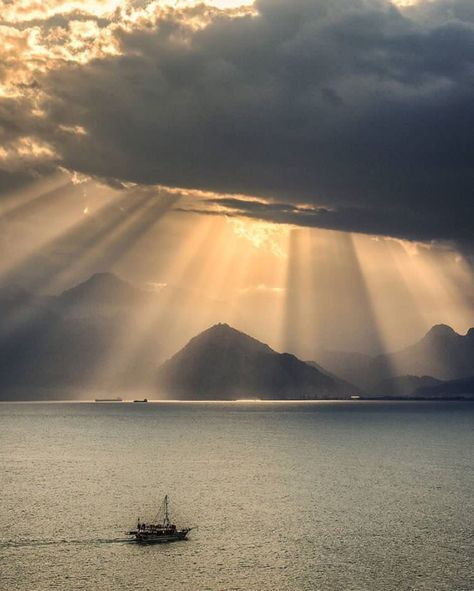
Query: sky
{"points": [[303, 165]]}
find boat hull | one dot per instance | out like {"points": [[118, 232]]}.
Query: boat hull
{"points": [[149, 538], [159, 540]]}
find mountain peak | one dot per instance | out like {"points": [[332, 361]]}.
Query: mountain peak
{"points": [[222, 334], [221, 327], [104, 278], [102, 288], [441, 331]]}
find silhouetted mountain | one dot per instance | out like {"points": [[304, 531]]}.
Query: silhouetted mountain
{"points": [[14, 299], [356, 368], [103, 333], [39, 347], [404, 386], [463, 388], [107, 333], [54, 342], [343, 384], [102, 291], [442, 354], [222, 363]]}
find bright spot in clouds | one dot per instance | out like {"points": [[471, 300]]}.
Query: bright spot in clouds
{"points": [[263, 235]]}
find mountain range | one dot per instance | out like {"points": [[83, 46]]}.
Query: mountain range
{"points": [[107, 334], [441, 353], [103, 333]]}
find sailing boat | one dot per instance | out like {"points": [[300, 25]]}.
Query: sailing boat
{"points": [[159, 532]]}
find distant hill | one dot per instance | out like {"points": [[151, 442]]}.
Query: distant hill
{"points": [[40, 347], [404, 386], [343, 384], [67, 340], [442, 354], [103, 289], [356, 368], [463, 388], [222, 363]]}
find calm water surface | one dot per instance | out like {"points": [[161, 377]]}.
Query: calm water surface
{"points": [[300, 496]]}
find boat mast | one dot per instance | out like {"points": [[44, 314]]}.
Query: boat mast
{"points": [[167, 517]]}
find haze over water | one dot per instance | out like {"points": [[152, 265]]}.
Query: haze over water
{"points": [[300, 496]]}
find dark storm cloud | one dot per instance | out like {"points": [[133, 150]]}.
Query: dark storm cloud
{"points": [[346, 105], [370, 221]]}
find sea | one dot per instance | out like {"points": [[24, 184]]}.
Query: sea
{"points": [[329, 496]]}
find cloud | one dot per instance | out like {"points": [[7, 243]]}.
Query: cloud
{"points": [[349, 114], [261, 235], [349, 219], [26, 10]]}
